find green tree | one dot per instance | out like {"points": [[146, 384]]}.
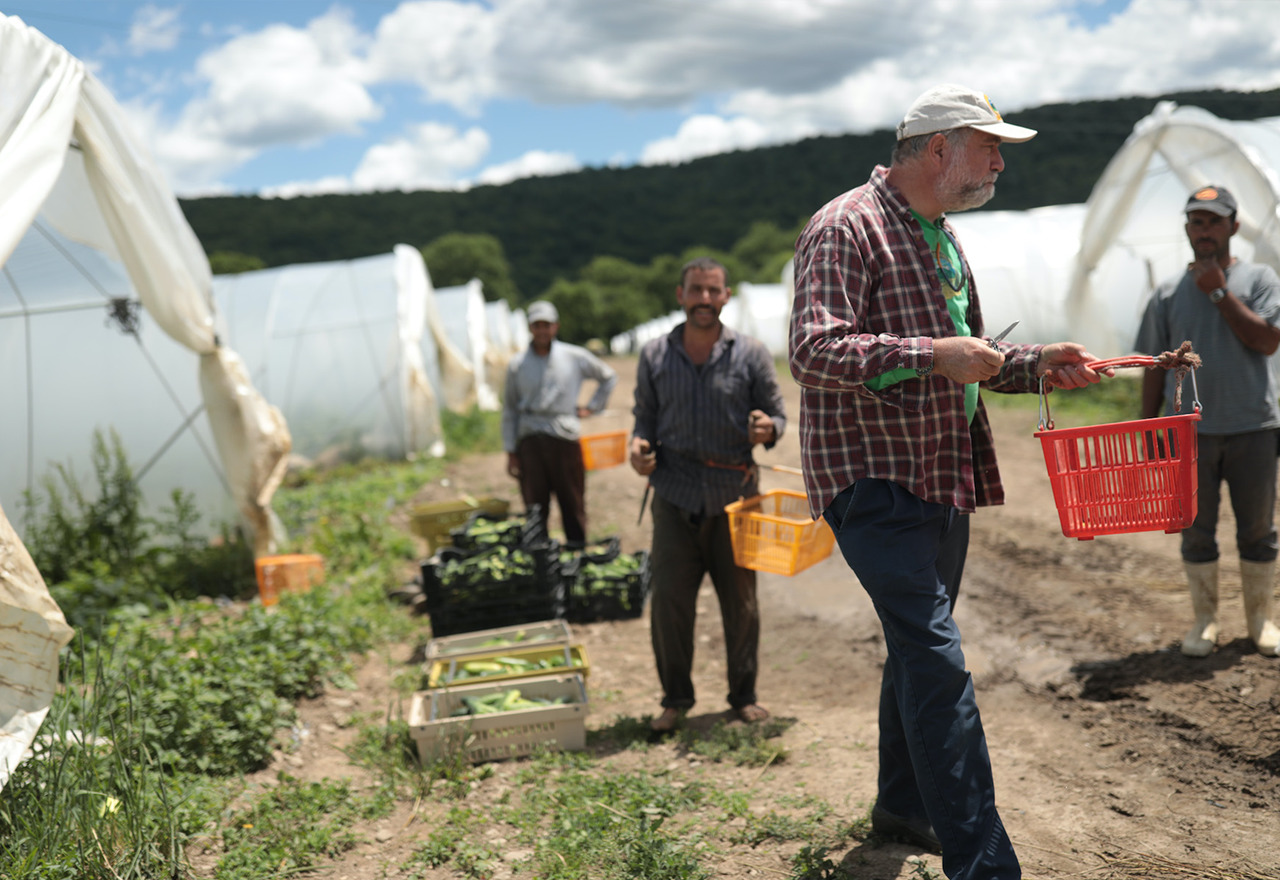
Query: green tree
{"points": [[231, 262], [457, 257], [759, 249]]}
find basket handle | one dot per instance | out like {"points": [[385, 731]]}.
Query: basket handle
{"points": [[1129, 360]]}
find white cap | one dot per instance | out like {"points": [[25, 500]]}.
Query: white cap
{"points": [[542, 311], [950, 106]]}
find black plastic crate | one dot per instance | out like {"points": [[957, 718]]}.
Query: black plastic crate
{"points": [[599, 552], [499, 586], [594, 595], [483, 530], [454, 619]]}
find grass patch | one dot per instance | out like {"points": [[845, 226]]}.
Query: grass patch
{"points": [[294, 828]]}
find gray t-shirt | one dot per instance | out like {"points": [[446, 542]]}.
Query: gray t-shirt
{"points": [[1236, 386]]}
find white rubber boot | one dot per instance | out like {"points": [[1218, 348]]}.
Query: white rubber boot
{"points": [[1257, 583], [1202, 580]]}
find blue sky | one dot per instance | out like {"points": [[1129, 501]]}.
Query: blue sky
{"points": [[282, 97]]}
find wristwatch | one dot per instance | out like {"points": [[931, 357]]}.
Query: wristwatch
{"points": [[1217, 295]]}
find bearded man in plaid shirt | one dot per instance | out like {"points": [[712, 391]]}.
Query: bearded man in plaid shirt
{"points": [[887, 342]]}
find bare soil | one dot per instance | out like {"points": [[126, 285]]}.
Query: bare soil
{"points": [[1114, 755]]}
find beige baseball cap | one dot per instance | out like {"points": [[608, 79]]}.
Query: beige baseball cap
{"points": [[951, 106]]}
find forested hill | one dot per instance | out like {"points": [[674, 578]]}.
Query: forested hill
{"points": [[552, 226]]}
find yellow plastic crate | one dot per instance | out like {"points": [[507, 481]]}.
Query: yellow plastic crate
{"points": [[773, 532], [444, 673], [503, 734], [600, 451], [542, 634], [290, 572], [434, 521]]}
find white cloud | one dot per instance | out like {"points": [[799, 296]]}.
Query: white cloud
{"points": [[535, 163], [446, 48], [705, 135], [738, 73], [154, 30], [430, 157], [325, 186], [284, 85]]}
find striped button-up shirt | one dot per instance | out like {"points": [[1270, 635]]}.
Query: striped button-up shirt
{"points": [[868, 300], [696, 415]]}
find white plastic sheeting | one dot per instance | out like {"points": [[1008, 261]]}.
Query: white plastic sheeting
{"points": [[501, 347], [1135, 212], [66, 155], [78, 354], [462, 315], [520, 336], [34, 632], [339, 347], [764, 312]]}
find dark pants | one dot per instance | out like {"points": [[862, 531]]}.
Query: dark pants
{"points": [[909, 555], [685, 547], [1247, 464], [549, 465]]}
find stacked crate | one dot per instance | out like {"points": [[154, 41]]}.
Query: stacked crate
{"points": [[502, 714], [499, 572]]}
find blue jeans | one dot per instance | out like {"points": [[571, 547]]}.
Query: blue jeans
{"points": [[909, 556]]}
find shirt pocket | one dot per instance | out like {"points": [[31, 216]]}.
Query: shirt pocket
{"points": [[734, 384]]}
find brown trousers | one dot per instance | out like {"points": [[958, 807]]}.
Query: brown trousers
{"points": [[686, 547], [549, 465]]}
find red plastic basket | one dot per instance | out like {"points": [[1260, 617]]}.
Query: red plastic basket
{"points": [[1123, 477]]}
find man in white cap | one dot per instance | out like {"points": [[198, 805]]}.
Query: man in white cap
{"points": [[541, 418], [888, 344], [1229, 309]]}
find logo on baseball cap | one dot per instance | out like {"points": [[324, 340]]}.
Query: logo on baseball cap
{"points": [[1214, 199], [950, 106]]}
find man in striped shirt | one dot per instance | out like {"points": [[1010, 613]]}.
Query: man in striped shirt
{"points": [[887, 344], [705, 395]]}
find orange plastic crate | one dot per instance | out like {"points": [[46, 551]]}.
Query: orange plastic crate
{"points": [[1124, 477], [773, 532], [600, 451], [291, 572]]}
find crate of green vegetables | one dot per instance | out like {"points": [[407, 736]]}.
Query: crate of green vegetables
{"points": [[507, 665], [538, 634], [483, 530], [500, 586], [489, 722], [614, 590]]}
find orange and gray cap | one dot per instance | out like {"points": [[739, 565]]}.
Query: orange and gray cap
{"points": [[1214, 199], [951, 106]]}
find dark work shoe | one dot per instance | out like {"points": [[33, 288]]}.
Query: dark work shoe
{"points": [[915, 831]]}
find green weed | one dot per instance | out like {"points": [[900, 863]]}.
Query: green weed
{"points": [[472, 432], [742, 744], [293, 828]]}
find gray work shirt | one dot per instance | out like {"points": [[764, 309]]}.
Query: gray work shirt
{"points": [[701, 414], [541, 394], [1236, 386]]}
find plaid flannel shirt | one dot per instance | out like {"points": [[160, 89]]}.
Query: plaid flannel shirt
{"points": [[868, 300]]}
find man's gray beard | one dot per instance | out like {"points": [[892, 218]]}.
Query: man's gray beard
{"points": [[955, 195]]}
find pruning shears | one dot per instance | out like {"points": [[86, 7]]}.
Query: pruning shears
{"points": [[1003, 334]]}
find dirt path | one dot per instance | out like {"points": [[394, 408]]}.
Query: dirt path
{"points": [[1114, 755]]}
